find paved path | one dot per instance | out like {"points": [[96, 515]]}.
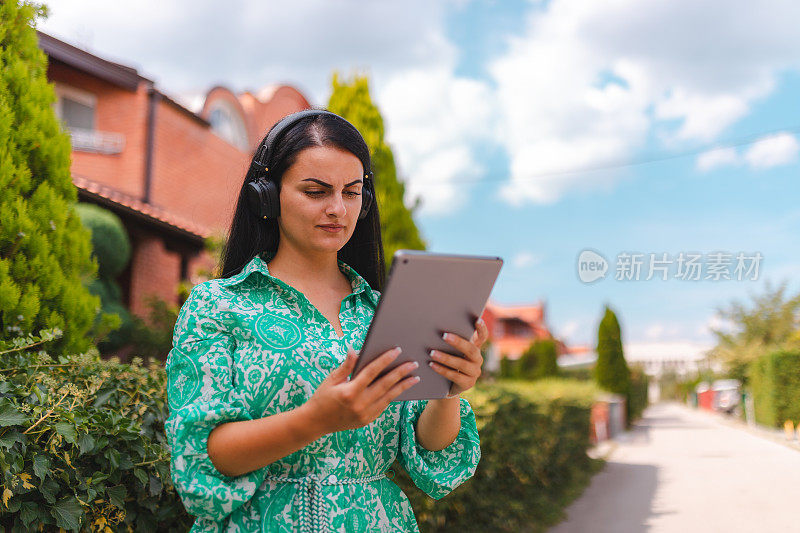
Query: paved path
{"points": [[682, 471]]}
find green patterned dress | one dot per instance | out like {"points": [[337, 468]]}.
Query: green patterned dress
{"points": [[251, 346]]}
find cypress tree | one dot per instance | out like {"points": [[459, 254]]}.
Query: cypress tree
{"points": [[546, 358], [611, 371], [351, 99], [45, 253], [528, 362]]}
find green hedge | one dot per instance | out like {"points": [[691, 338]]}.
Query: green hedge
{"points": [[534, 438], [110, 243], [775, 386], [82, 447], [637, 398], [82, 444]]}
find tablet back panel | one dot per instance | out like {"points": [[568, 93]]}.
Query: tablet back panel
{"points": [[426, 295]]}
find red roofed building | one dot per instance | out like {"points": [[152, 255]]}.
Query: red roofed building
{"points": [[513, 328], [172, 174]]}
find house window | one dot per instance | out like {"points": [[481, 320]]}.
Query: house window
{"points": [[75, 107], [76, 110], [226, 122]]}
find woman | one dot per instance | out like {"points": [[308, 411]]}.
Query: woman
{"points": [[267, 432]]}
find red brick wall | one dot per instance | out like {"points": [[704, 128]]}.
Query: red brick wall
{"points": [[117, 111], [154, 271], [262, 116], [197, 175]]}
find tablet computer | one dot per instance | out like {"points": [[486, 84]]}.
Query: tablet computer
{"points": [[427, 294]]}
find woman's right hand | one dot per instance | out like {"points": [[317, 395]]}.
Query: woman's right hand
{"points": [[339, 404]]}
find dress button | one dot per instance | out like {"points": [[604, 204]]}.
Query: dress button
{"points": [[332, 478]]}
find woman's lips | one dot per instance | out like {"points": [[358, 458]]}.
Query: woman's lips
{"points": [[331, 229]]}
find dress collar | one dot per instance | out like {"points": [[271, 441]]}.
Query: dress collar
{"points": [[257, 264]]}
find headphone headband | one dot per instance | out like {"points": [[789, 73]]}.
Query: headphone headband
{"points": [[264, 150], [262, 194]]}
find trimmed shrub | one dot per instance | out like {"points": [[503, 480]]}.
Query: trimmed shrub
{"points": [[111, 248], [775, 386], [637, 398], [534, 437], [110, 243], [546, 358]]}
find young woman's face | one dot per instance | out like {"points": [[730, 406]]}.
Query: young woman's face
{"points": [[323, 187]]}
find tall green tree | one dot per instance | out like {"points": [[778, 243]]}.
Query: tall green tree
{"points": [[350, 98], [770, 322], [45, 252], [611, 371], [546, 358]]}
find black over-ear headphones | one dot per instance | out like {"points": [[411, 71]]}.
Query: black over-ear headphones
{"points": [[262, 193]]}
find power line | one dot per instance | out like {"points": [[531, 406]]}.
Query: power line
{"points": [[744, 141]]}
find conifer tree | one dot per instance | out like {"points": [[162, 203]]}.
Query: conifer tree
{"points": [[351, 99], [611, 371], [546, 358], [45, 253]]}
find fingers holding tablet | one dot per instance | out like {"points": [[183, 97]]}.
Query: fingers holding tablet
{"points": [[481, 334], [464, 370]]}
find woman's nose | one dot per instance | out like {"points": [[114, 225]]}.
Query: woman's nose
{"points": [[336, 206]]}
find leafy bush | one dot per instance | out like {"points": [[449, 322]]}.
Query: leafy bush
{"points": [[775, 386], [534, 437], [82, 443], [111, 249], [152, 338], [582, 373], [637, 394], [110, 243], [539, 360], [546, 358]]}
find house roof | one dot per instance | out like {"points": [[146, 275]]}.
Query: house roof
{"points": [[528, 313], [115, 73], [149, 213]]}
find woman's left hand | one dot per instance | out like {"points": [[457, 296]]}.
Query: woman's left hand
{"points": [[464, 370]]}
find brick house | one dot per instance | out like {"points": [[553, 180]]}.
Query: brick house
{"points": [[171, 173], [513, 328]]}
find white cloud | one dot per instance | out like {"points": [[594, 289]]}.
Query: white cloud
{"points": [[716, 322], [589, 81], [245, 44], [767, 152], [569, 329], [525, 259], [586, 84], [433, 120], [432, 116], [772, 151], [658, 331], [718, 157]]}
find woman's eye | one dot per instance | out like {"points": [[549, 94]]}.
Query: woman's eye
{"points": [[351, 194]]}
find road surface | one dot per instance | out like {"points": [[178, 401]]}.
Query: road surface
{"points": [[682, 471]]}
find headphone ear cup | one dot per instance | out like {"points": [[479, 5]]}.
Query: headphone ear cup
{"points": [[366, 202], [263, 198]]}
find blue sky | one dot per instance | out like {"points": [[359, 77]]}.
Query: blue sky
{"points": [[534, 130], [664, 206]]}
